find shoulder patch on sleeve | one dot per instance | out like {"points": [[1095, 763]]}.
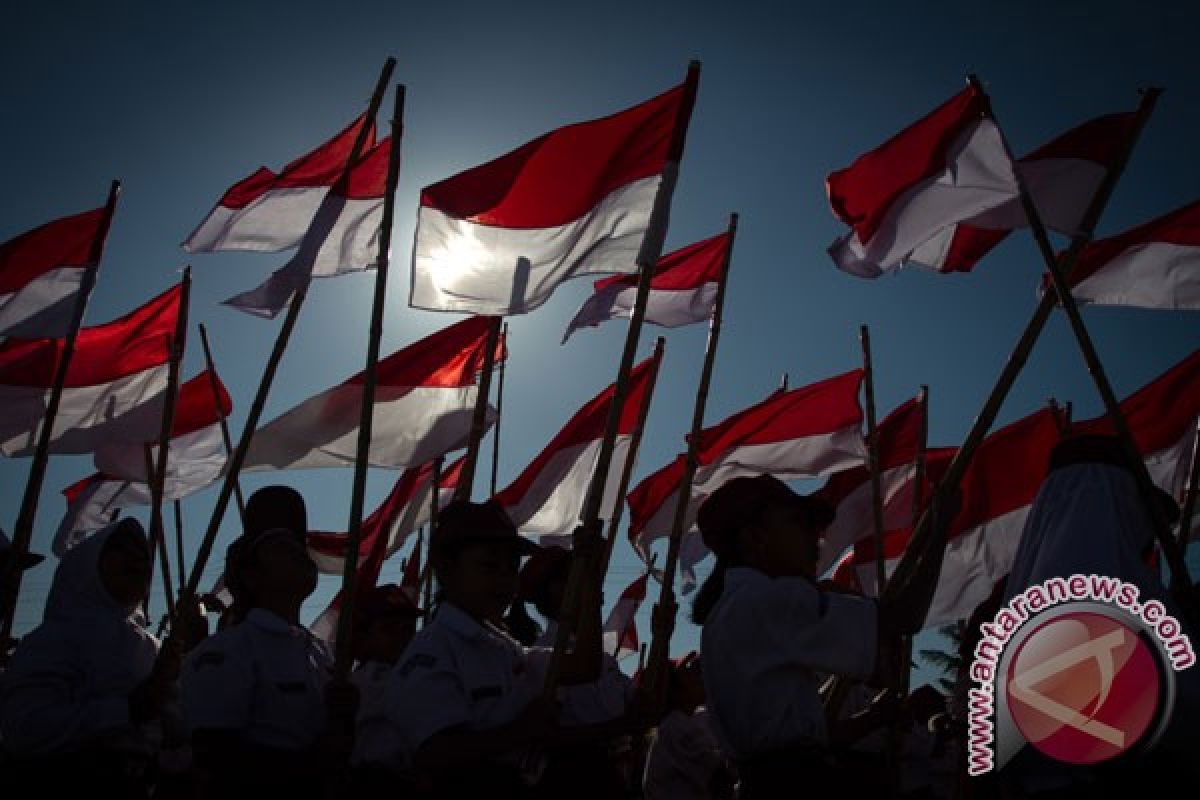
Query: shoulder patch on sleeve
{"points": [[417, 661]]}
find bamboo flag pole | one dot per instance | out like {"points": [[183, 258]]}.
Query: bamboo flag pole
{"points": [[285, 332], [635, 444], [647, 258], [1024, 346], [159, 475], [661, 639], [918, 496], [151, 478], [1096, 368], [462, 491], [178, 508], [216, 390], [426, 580], [499, 412], [10, 579], [342, 655], [1189, 498], [864, 338]]}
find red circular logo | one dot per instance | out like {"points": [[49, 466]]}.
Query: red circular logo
{"points": [[1083, 687]]}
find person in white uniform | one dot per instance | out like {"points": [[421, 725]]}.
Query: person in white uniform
{"points": [[254, 695], [466, 697], [82, 697], [768, 630]]}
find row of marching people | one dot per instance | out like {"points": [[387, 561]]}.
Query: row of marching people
{"points": [[91, 702]]}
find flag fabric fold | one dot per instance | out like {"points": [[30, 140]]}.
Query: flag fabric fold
{"points": [[424, 402], [268, 211], [41, 271], [803, 433], [195, 460], [498, 238], [342, 237], [945, 168], [115, 385], [620, 636], [1062, 177], [682, 291], [1155, 265], [545, 501]]}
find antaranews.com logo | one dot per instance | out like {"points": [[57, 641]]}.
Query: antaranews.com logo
{"points": [[1092, 678]]}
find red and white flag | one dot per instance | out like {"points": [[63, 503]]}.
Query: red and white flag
{"points": [[498, 238], [682, 291], [405, 509], [424, 402], [1155, 265], [620, 629], [269, 211], [195, 460], [41, 271], [947, 167], [546, 499], [998, 489], [803, 433], [1062, 176], [115, 386], [1162, 416], [342, 237], [410, 580], [450, 478], [849, 491]]}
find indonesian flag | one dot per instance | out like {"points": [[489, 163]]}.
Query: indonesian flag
{"points": [[948, 167], [1162, 416], [424, 403], [450, 478], [682, 291], [1062, 176], [196, 459], [1155, 265], [115, 385], [268, 211], [498, 238], [405, 509], [849, 491], [803, 433], [620, 629], [343, 237], [546, 499], [41, 272]]}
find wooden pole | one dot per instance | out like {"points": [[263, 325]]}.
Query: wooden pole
{"points": [[1189, 497], [264, 387], [647, 259], [499, 412], [1062, 289], [216, 390], [342, 656], [462, 492], [178, 508], [159, 475], [660, 640], [10, 579], [1024, 346], [635, 444], [918, 497], [864, 338], [148, 464]]}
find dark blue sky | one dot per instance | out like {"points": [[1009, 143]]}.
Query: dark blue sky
{"points": [[180, 102]]}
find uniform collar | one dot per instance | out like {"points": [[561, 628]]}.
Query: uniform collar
{"points": [[460, 622]]}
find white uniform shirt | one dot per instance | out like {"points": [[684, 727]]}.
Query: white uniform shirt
{"points": [[376, 740], [761, 646], [263, 678], [69, 682], [590, 703], [683, 757], [457, 671]]}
